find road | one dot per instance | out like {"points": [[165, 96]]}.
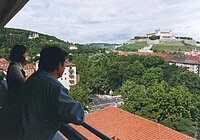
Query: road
{"points": [[146, 49]]}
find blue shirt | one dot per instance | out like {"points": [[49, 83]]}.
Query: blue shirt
{"points": [[43, 105]]}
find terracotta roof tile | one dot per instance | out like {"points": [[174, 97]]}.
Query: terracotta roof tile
{"points": [[29, 66], [4, 64], [122, 125], [195, 58]]}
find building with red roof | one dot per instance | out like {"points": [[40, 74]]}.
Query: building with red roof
{"points": [[122, 125], [70, 76], [73, 47], [29, 69], [3, 64]]}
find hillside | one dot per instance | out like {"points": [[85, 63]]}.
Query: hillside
{"points": [[102, 45], [173, 46], [10, 37], [133, 47]]}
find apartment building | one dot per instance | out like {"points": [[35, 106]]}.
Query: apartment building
{"points": [[69, 77]]}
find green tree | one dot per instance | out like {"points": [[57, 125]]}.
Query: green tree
{"points": [[134, 96], [152, 76], [191, 80], [154, 37], [80, 93]]}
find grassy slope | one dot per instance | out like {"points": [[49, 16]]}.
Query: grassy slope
{"points": [[172, 46], [103, 45], [133, 47]]}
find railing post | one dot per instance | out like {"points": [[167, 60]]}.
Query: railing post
{"points": [[95, 131], [70, 133]]}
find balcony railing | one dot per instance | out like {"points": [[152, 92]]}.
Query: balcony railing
{"points": [[66, 131], [71, 134]]}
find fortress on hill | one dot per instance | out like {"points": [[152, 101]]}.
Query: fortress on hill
{"points": [[164, 37]]}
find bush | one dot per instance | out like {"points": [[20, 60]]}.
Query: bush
{"points": [[154, 37]]}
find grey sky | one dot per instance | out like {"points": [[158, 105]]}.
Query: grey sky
{"points": [[112, 21]]}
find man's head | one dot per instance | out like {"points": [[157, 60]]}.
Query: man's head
{"points": [[52, 59]]}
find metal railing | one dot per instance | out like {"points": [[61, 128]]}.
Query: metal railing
{"points": [[72, 134]]}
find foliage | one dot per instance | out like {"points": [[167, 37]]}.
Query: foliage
{"points": [[139, 37], [191, 80], [80, 93], [149, 86], [189, 38], [154, 37], [184, 125], [162, 103], [10, 37], [152, 76]]}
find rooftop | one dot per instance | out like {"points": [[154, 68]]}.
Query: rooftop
{"points": [[122, 125]]}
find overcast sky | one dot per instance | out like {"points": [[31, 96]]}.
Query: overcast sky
{"points": [[112, 21]]}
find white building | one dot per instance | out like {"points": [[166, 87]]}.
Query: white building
{"points": [[32, 36], [73, 47], [69, 77], [163, 35]]}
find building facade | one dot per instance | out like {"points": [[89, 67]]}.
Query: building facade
{"points": [[73, 47], [69, 77]]}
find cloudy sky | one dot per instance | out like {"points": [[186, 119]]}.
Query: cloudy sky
{"points": [[111, 21]]}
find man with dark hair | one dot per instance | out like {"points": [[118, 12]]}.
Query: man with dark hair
{"points": [[44, 104]]}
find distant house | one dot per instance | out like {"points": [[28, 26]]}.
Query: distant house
{"points": [[192, 63], [195, 52], [73, 47], [122, 125], [69, 77], [32, 36]]}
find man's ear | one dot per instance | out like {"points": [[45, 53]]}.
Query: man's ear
{"points": [[58, 66]]}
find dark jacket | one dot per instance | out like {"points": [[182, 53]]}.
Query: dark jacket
{"points": [[44, 104]]}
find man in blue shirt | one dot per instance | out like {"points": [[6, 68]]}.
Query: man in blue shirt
{"points": [[44, 103]]}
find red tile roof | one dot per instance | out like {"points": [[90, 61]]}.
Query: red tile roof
{"points": [[195, 58], [4, 64], [122, 125], [29, 66], [165, 55]]}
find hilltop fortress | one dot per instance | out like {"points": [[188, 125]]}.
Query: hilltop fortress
{"points": [[164, 37]]}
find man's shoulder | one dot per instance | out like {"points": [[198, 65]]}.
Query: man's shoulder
{"points": [[45, 78]]}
